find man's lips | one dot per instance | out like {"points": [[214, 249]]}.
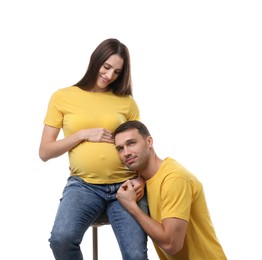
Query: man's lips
{"points": [[130, 160]]}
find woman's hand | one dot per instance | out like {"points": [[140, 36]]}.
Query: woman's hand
{"points": [[96, 135], [50, 147]]}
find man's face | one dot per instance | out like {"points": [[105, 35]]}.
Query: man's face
{"points": [[133, 149]]}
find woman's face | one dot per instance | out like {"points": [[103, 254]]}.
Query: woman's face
{"points": [[108, 73]]}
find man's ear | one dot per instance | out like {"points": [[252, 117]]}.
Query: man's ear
{"points": [[150, 141]]}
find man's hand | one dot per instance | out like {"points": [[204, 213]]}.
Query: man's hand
{"points": [[139, 187], [126, 195]]}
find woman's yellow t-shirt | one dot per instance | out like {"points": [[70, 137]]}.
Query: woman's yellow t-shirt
{"points": [[73, 109]]}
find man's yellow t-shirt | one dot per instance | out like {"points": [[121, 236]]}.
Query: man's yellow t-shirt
{"points": [[74, 109], [173, 192]]}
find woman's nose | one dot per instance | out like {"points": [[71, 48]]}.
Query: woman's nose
{"points": [[110, 74]]}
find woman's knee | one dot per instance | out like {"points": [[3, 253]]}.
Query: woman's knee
{"points": [[64, 242]]}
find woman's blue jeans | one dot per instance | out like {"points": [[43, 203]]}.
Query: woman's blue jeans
{"points": [[79, 207]]}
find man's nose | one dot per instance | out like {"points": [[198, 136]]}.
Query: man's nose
{"points": [[126, 152]]}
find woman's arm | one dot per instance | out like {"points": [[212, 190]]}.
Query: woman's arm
{"points": [[50, 147]]}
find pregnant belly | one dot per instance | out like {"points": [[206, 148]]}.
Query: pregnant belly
{"points": [[95, 158]]}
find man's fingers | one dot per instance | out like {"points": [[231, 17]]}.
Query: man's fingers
{"points": [[129, 184]]}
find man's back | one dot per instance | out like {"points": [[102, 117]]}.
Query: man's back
{"points": [[173, 192]]}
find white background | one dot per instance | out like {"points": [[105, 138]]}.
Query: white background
{"points": [[196, 68]]}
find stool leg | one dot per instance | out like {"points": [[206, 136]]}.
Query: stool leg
{"points": [[95, 246]]}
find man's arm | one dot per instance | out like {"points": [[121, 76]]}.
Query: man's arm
{"points": [[168, 235]]}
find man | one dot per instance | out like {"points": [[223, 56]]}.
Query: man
{"points": [[179, 223]]}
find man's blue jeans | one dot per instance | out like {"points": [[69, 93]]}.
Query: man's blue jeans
{"points": [[79, 207]]}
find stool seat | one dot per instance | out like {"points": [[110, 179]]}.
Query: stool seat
{"points": [[101, 220]]}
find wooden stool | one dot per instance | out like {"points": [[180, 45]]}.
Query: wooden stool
{"points": [[100, 221]]}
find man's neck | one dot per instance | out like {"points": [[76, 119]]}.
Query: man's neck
{"points": [[152, 167]]}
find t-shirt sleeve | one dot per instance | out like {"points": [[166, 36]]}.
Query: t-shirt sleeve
{"points": [[134, 113], [176, 196], [54, 115]]}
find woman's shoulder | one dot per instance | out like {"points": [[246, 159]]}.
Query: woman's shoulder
{"points": [[65, 91], [125, 97]]}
